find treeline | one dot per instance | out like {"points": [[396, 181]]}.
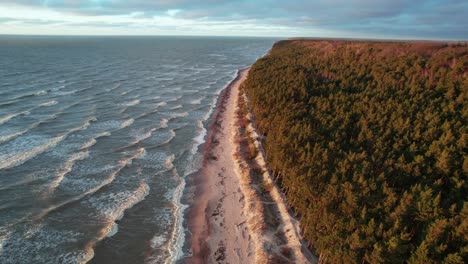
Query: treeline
{"points": [[368, 140]]}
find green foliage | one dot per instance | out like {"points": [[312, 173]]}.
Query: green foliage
{"points": [[370, 144]]}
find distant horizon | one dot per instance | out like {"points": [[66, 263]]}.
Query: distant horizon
{"points": [[247, 36]]}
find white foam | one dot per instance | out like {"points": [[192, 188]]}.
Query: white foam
{"points": [[132, 103], [20, 150], [111, 206], [158, 241], [49, 103], [163, 123], [113, 230], [38, 244], [42, 92], [176, 107], [84, 126], [178, 235], [113, 87], [88, 143], [168, 162], [197, 101], [145, 135], [6, 118], [89, 186], [174, 99], [127, 122], [10, 116], [12, 135], [175, 115], [66, 93], [107, 125], [105, 134], [172, 134], [67, 167], [200, 138], [57, 88]]}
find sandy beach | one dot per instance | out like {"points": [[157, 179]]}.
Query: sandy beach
{"points": [[232, 219]]}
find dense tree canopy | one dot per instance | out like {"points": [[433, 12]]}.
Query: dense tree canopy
{"points": [[369, 142]]}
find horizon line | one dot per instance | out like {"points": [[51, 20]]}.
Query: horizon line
{"points": [[246, 36]]}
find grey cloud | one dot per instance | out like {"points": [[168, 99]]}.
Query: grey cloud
{"points": [[417, 18]]}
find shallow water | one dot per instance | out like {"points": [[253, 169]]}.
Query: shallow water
{"points": [[97, 135]]}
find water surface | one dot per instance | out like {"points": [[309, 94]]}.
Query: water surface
{"points": [[97, 135]]}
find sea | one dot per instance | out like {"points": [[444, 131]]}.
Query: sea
{"points": [[97, 138]]}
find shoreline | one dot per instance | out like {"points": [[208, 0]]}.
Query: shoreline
{"points": [[205, 230], [229, 219]]}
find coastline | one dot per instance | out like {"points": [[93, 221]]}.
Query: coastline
{"points": [[212, 215], [229, 219]]}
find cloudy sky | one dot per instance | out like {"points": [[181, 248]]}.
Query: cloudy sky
{"points": [[404, 19]]}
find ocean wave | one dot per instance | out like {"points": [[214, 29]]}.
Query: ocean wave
{"points": [[216, 55], [6, 118], [110, 207], [173, 99], [10, 116], [139, 136], [30, 246], [66, 168], [127, 123], [15, 184], [176, 107], [20, 150], [172, 135], [132, 103], [145, 135], [165, 78], [9, 134], [177, 115], [200, 138], [154, 160], [29, 94], [60, 93], [158, 140], [83, 126], [163, 123], [88, 186], [168, 162], [126, 105], [177, 237], [42, 92], [32, 146], [107, 126], [114, 87], [49, 103], [104, 134], [196, 101], [89, 143], [190, 91], [160, 240], [58, 88], [151, 111]]}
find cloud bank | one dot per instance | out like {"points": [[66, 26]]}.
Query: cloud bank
{"points": [[429, 19]]}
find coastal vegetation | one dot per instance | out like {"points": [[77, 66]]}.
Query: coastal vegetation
{"points": [[368, 141]]}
